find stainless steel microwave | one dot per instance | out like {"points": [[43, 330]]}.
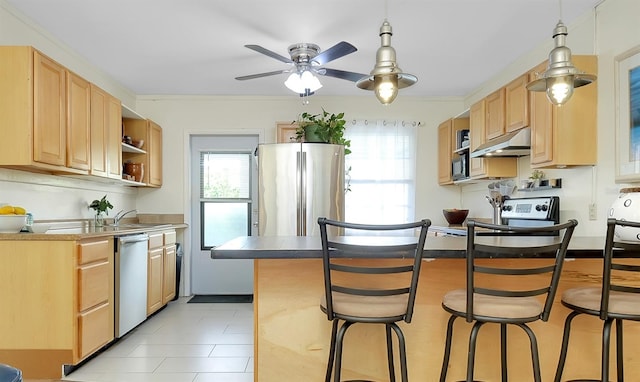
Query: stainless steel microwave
{"points": [[460, 167]]}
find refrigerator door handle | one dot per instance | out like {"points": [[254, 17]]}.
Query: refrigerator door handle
{"points": [[303, 196]]}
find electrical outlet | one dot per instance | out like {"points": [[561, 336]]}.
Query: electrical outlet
{"points": [[593, 212]]}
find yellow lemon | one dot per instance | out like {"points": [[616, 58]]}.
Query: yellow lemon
{"points": [[7, 210], [19, 210]]}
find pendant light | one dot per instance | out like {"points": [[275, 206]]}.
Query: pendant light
{"points": [[386, 77], [561, 77]]}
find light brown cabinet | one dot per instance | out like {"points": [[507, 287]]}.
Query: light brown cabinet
{"points": [[65, 309], [564, 136], [106, 132], [78, 132], [495, 111], [161, 270], [447, 131], [517, 104], [34, 106], [486, 167], [150, 155]]}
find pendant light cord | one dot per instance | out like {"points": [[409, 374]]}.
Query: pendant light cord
{"points": [[560, 10]]}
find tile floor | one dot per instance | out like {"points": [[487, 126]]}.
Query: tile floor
{"points": [[182, 343]]}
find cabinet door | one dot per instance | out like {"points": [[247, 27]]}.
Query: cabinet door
{"points": [[541, 122], [495, 114], [99, 132], [114, 128], [92, 327], [517, 103], [79, 122], [155, 155], [445, 151], [154, 280], [477, 121], [50, 111], [169, 271]]}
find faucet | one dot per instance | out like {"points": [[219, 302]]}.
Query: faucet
{"points": [[120, 215]]}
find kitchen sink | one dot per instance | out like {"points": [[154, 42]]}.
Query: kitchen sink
{"points": [[139, 225]]}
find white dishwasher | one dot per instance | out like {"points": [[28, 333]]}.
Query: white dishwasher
{"points": [[130, 282]]}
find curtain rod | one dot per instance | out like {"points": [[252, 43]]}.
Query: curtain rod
{"points": [[387, 122]]}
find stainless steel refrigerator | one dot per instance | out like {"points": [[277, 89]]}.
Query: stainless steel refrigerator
{"points": [[299, 182]]}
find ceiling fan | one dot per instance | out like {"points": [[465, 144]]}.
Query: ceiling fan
{"points": [[306, 62]]}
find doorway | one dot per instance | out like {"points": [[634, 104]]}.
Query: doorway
{"points": [[223, 207]]}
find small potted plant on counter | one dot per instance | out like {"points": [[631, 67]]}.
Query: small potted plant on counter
{"points": [[536, 178], [325, 128], [100, 207]]}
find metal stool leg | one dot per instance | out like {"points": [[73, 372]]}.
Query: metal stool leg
{"points": [[606, 341], [403, 352], [503, 351], [565, 345], [392, 370], [339, 340], [534, 352], [332, 351], [619, 350], [472, 349], [447, 349]]}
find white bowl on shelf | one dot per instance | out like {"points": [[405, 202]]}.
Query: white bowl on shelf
{"points": [[12, 223]]}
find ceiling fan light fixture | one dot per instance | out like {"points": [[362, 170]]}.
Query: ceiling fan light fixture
{"points": [[303, 83], [561, 77], [386, 77]]}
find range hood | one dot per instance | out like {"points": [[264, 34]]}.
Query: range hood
{"points": [[514, 144]]}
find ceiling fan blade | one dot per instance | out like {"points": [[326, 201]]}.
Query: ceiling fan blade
{"points": [[252, 76], [339, 50], [343, 75], [269, 53]]}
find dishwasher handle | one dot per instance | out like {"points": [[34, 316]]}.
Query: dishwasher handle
{"points": [[133, 238]]}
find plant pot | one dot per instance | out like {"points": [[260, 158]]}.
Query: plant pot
{"points": [[311, 134], [98, 220]]}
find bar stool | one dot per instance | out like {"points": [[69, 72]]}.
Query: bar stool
{"points": [[492, 296], [615, 300], [10, 374], [356, 293]]}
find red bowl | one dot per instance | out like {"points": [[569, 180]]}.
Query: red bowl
{"points": [[455, 216]]}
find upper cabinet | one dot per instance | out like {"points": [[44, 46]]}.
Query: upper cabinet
{"points": [[563, 136], [150, 154], [486, 167], [517, 104], [495, 105], [446, 147], [54, 121], [34, 95]]}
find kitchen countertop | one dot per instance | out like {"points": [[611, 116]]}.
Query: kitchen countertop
{"points": [[292, 247], [67, 231]]}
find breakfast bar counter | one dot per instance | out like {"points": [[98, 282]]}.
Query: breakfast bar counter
{"points": [[292, 335]]}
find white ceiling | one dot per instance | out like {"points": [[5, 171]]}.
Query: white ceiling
{"points": [[196, 47]]}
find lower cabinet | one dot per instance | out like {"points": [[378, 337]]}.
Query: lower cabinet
{"points": [[61, 308], [161, 270]]}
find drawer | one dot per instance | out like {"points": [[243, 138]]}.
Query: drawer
{"points": [[94, 250], [95, 329], [156, 240], [169, 238], [93, 285]]}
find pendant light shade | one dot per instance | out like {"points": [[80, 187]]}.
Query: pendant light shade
{"points": [[561, 77], [386, 77]]}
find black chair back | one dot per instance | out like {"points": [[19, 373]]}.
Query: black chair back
{"points": [[619, 273], [344, 272], [487, 278]]}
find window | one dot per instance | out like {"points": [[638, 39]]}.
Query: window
{"points": [[381, 172], [225, 196]]}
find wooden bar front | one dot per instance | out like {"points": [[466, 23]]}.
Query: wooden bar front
{"points": [[292, 334]]}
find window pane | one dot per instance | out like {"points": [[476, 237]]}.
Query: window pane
{"points": [[223, 222], [224, 175]]}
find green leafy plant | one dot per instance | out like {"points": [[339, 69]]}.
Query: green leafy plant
{"points": [[537, 174], [329, 128], [102, 205]]}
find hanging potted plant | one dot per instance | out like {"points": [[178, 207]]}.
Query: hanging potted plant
{"points": [[101, 207], [324, 127]]}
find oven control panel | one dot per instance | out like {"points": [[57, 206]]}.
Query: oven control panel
{"points": [[528, 208]]}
